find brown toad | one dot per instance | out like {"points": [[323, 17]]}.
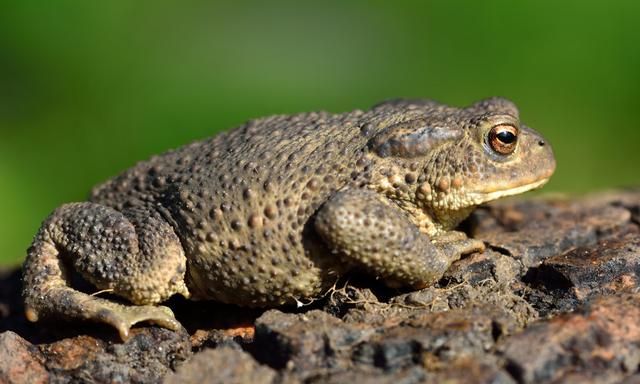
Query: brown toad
{"points": [[274, 211]]}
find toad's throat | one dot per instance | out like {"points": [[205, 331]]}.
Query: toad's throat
{"points": [[484, 196]]}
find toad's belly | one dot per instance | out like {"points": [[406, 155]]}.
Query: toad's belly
{"points": [[255, 277]]}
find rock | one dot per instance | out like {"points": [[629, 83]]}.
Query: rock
{"points": [[534, 231], [308, 341], [220, 337], [571, 279], [438, 338], [634, 379], [478, 268], [146, 357], [463, 296], [462, 371], [368, 375], [472, 371], [554, 298], [626, 198], [20, 362], [71, 354], [224, 365], [600, 343], [341, 300]]}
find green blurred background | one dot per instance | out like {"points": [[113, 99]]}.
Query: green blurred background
{"points": [[87, 88]]}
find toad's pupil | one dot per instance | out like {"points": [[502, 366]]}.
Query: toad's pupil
{"points": [[506, 137]]}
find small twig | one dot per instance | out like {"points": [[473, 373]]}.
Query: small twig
{"points": [[108, 290]]}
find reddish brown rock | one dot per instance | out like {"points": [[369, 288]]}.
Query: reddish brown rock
{"points": [[145, 357], [600, 343], [472, 371], [70, 354], [223, 365], [20, 362], [212, 338]]}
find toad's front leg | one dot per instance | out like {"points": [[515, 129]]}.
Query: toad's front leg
{"points": [[379, 238]]}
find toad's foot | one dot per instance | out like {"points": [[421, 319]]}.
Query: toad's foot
{"points": [[120, 316], [123, 317], [455, 245]]}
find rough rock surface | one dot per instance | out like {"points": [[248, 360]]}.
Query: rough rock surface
{"points": [[555, 298]]}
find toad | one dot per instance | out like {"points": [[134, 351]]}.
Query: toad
{"points": [[273, 212]]}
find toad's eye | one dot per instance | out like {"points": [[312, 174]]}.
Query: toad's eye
{"points": [[503, 138]]}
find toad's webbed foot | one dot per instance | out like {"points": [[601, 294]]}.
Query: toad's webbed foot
{"points": [[123, 317], [120, 316]]}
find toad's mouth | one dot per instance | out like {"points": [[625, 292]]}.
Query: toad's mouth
{"points": [[484, 196]]}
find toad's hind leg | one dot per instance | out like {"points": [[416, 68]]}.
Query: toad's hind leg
{"points": [[135, 254]]}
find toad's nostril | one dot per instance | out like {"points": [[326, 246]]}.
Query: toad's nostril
{"points": [[541, 143]]}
